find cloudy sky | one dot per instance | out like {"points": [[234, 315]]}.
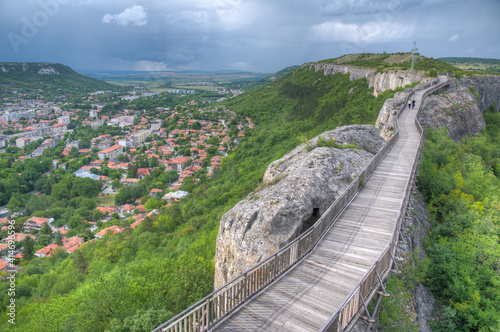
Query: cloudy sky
{"points": [[254, 35]]}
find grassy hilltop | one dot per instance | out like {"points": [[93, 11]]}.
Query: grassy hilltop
{"points": [[49, 77]]}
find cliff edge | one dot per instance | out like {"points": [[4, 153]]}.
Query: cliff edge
{"points": [[379, 81]]}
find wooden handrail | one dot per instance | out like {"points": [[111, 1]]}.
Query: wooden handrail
{"points": [[338, 321]]}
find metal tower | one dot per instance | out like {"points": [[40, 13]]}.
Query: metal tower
{"points": [[413, 50]]}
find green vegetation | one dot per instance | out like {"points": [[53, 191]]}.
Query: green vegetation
{"points": [[106, 200], [26, 77], [137, 279], [460, 184], [331, 143], [394, 61], [475, 65]]}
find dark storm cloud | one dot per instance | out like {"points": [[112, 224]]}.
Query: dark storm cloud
{"points": [[257, 35]]}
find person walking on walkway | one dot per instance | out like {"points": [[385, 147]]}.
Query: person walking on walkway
{"points": [[409, 103], [413, 103]]}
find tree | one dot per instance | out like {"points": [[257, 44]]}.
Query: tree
{"points": [[85, 187], [84, 143], [97, 215], [115, 184], [38, 203], [14, 204], [28, 248], [43, 240], [58, 238], [45, 230], [80, 262], [60, 191], [74, 152], [154, 162]]}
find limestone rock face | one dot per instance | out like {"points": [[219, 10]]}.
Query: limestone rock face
{"points": [[488, 87], [455, 108], [298, 189], [386, 120], [380, 82]]}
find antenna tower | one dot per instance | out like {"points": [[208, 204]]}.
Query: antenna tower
{"points": [[413, 50]]}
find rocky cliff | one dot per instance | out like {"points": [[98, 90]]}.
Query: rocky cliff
{"points": [[297, 190], [379, 81], [455, 108], [386, 120], [487, 87]]}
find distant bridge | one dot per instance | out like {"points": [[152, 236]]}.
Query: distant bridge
{"points": [[324, 279]]}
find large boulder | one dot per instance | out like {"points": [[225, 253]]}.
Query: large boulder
{"points": [[297, 189]]}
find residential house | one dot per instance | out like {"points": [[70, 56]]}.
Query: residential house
{"points": [[83, 173], [111, 152], [37, 152], [63, 119], [142, 173], [179, 163], [130, 182], [156, 125], [155, 192], [46, 251], [175, 196], [49, 143], [127, 208], [59, 128], [72, 244], [109, 230], [106, 143], [35, 223], [22, 141]]}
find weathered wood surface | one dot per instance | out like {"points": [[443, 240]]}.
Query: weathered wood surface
{"points": [[306, 296]]}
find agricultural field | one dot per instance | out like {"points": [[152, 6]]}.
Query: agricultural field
{"points": [[475, 64]]}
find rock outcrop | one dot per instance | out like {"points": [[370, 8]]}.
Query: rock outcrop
{"points": [[488, 88], [298, 189], [386, 120], [455, 108], [379, 81]]}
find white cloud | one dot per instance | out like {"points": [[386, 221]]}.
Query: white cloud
{"points": [[344, 7], [135, 15], [369, 32], [470, 50], [146, 65], [454, 37]]}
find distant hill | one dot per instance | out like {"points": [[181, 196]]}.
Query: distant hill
{"points": [[282, 72], [185, 75], [49, 77], [482, 65], [392, 61]]}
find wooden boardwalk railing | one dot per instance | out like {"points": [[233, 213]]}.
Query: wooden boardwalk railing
{"points": [[208, 312], [370, 284]]}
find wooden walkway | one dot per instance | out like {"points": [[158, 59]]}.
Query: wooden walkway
{"points": [[304, 298]]}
